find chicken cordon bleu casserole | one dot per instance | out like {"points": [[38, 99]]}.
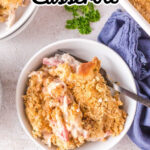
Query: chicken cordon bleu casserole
{"points": [[68, 103], [8, 9]]}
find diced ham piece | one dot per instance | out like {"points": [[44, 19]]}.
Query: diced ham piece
{"points": [[52, 61], [65, 134]]}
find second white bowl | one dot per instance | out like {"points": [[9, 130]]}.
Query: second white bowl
{"points": [[22, 16]]}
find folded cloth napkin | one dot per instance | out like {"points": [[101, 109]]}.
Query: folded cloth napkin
{"points": [[126, 37]]}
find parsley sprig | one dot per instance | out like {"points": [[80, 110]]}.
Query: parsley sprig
{"points": [[83, 15]]}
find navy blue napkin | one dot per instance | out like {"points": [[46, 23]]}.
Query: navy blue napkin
{"points": [[126, 37]]}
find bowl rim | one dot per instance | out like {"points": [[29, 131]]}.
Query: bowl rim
{"points": [[36, 141], [21, 21]]}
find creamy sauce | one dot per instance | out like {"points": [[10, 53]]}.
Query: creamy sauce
{"points": [[70, 60], [100, 100], [64, 108], [53, 85], [47, 138]]}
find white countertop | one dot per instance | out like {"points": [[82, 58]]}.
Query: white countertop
{"points": [[47, 27]]}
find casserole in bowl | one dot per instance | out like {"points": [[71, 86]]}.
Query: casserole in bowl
{"points": [[86, 49]]}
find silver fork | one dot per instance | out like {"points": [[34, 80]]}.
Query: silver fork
{"points": [[111, 84]]}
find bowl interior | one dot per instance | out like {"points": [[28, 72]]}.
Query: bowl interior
{"points": [[22, 14], [116, 69]]}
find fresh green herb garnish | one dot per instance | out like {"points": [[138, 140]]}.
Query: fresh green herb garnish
{"points": [[82, 17]]}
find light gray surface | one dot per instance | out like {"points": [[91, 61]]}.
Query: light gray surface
{"points": [[47, 27]]}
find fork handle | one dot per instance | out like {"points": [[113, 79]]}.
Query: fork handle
{"points": [[145, 102]]}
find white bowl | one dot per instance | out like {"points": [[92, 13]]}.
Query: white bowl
{"points": [[21, 28], [87, 49], [136, 15], [22, 16]]}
